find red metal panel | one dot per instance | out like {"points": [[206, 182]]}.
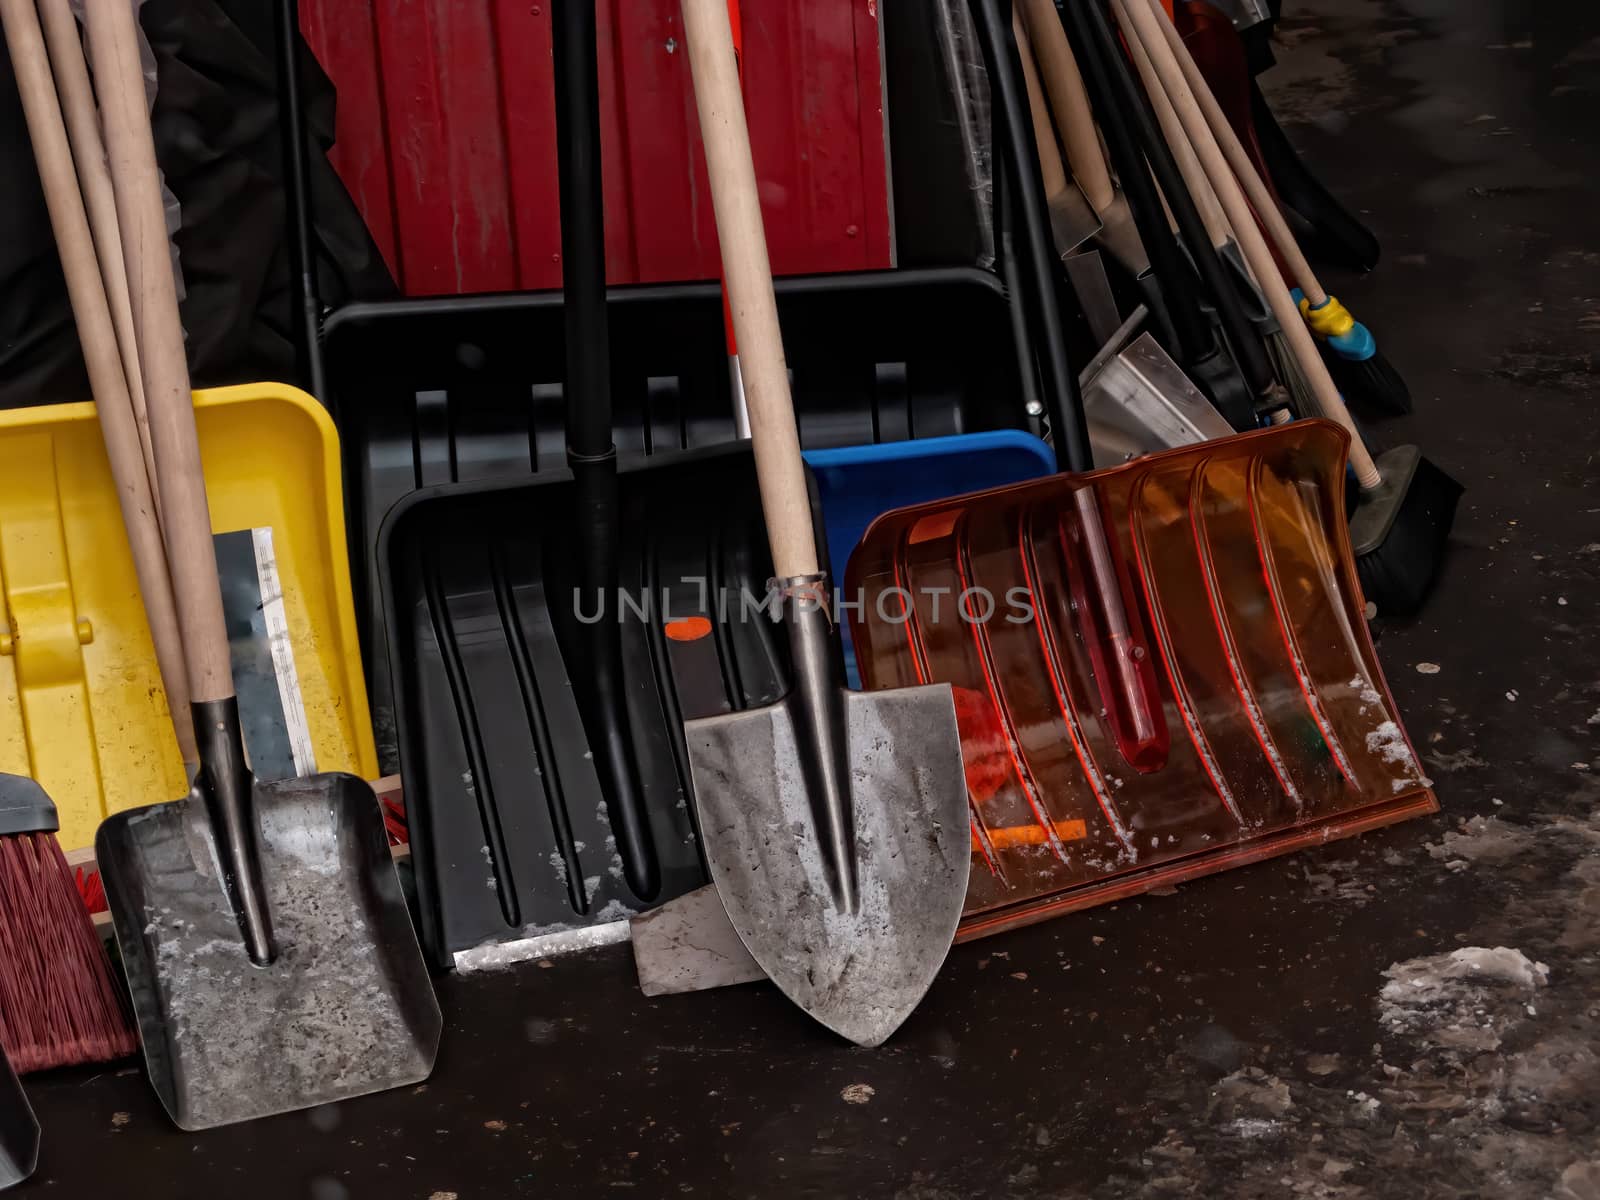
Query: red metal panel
{"points": [[446, 137], [528, 100], [347, 35]]}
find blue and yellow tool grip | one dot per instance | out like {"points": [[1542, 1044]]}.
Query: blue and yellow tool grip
{"points": [[1332, 322]]}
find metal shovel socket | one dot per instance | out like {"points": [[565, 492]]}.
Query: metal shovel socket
{"points": [[835, 827], [1119, 236], [19, 1130]]}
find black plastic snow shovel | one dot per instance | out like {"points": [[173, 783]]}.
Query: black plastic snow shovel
{"points": [[268, 950], [547, 637], [834, 822]]}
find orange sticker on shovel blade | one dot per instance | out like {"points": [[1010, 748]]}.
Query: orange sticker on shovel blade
{"points": [[1034, 835], [689, 629]]}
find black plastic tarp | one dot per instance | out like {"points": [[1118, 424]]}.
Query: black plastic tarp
{"points": [[216, 133]]}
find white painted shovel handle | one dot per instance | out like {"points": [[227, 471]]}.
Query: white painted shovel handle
{"points": [[748, 277], [130, 146]]}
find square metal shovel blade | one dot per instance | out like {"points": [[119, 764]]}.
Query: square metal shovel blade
{"points": [[859, 973], [345, 1008]]}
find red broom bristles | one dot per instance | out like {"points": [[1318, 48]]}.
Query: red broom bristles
{"points": [[59, 1003]]}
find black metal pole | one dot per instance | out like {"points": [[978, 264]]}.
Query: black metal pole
{"points": [[1014, 153], [305, 302], [591, 453]]}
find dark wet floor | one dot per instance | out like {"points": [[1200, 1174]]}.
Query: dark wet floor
{"points": [[1235, 1038]]}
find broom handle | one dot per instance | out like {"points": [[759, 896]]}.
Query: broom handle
{"points": [[1261, 200], [1147, 17], [113, 407], [114, 49], [748, 277], [1069, 101], [1194, 176], [64, 42], [1051, 168]]}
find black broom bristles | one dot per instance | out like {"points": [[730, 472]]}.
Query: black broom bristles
{"points": [[1370, 381], [1358, 367], [1398, 564]]}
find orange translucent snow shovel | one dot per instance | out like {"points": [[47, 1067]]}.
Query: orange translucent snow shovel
{"points": [[1237, 585]]}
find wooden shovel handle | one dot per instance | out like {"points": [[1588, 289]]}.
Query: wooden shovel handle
{"points": [[1069, 101], [1147, 17], [64, 42], [1261, 197], [1051, 169], [748, 278], [90, 313], [1194, 176], [130, 146]]}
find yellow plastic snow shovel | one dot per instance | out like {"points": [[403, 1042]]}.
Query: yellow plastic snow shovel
{"points": [[82, 708]]}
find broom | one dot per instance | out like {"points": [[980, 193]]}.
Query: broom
{"points": [[59, 1003], [1406, 504], [1360, 369]]}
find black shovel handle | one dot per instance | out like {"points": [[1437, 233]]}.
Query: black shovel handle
{"points": [[1017, 157], [591, 454], [305, 299]]}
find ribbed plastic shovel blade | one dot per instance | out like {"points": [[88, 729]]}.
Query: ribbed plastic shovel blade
{"points": [[1224, 621], [860, 973]]}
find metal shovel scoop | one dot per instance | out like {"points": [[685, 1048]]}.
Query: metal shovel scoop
{"points": [[266, 941], [834, 823]]}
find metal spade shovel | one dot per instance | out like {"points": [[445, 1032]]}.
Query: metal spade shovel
{"points": [[834, 822], [266, 941]]}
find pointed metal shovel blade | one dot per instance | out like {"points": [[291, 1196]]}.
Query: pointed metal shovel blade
{"points": [[345, 1008], [859, 973]]}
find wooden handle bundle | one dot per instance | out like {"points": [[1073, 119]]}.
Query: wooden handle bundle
{"points": [[1145, 20], [71, 72], [1051, 168], [1261, 199], [107, 379], [1205, 197], [130, 146]]}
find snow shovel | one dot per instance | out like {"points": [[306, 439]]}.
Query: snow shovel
{"points": [[19, 1129], [1178, 678], [268, 950], [833, 822]]}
